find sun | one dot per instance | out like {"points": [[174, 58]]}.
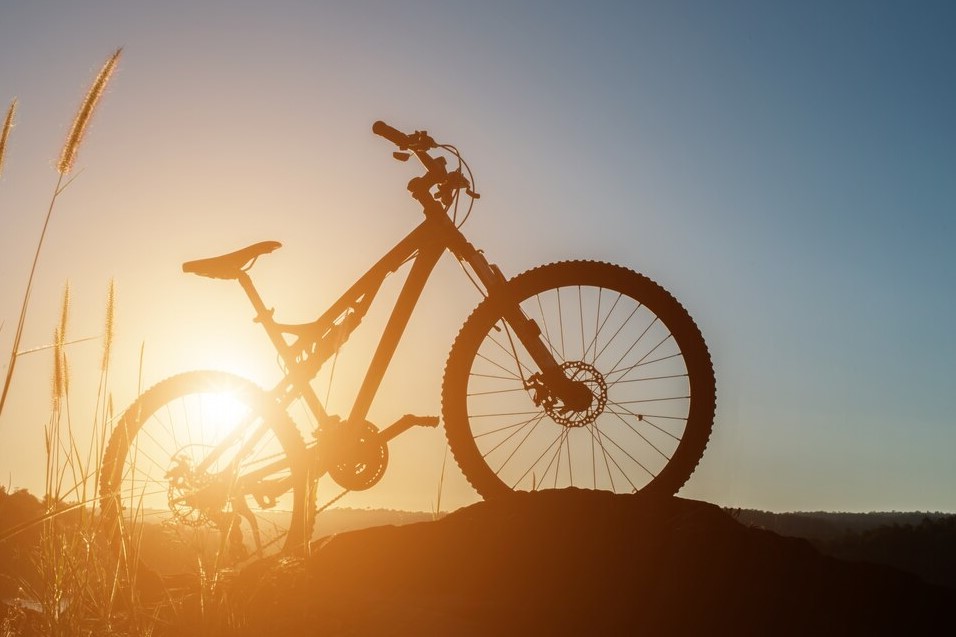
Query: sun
{"points": [[220, 411]]}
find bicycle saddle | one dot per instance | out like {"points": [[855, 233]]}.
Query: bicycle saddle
{"points": [[229, 266]]}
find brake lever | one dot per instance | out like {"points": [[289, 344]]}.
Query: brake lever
{"points": [[421, 140]]}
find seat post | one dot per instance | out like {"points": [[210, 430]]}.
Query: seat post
{"points": [[263, 315]]}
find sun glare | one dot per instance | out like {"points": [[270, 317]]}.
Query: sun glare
{"points": [[220, 411]]}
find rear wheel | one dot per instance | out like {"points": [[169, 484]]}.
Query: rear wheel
{"points": [[644, 399], [200, 474]]}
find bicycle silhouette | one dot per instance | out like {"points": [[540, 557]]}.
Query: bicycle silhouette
{"points": [[576, 373]]}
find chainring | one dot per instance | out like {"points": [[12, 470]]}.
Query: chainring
{"points": [[358, 457]]}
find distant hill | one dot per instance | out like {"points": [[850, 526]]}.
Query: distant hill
{"points": [[339, 520], [826, 526], [921, 543]]}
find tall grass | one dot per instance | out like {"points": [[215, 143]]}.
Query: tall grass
{"points": [[84, 585], [65, 164], [78, 589], [436, 509]]}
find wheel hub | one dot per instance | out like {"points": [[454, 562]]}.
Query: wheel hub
{"points": [[579, 401], [193, 497]]}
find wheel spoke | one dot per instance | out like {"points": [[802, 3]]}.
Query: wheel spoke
{"points": [[491, 392], [581, 323], [605, 436], [651, 400], [598, 330], [521, 423], [642, 360], [537, 460], [509, 352], [649, 378], [642, 437], [515, 450], [596, 433], [646, 418], [506, 413], [561, 324]]}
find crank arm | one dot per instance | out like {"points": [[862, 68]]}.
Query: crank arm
{"points": [[320, 461], [405, 423]]}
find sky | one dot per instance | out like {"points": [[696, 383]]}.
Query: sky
{"points": [[786, 169]]}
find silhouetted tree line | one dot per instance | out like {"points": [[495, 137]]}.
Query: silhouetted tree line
{"points": [[927, 549], [921, 543], [21, 530], [828, 525], [17, 553]]}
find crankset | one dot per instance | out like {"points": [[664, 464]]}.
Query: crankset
{"points": [[357, 456], [357, 452]]}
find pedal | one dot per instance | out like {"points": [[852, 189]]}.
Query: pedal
{"points": [[405, 423]]}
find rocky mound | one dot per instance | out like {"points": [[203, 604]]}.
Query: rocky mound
{"points": [[573, 562]]}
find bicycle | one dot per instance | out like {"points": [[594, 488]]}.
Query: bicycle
{"points": [[575, 373]]}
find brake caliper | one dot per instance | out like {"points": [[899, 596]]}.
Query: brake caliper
{"points": [[540, 392]]}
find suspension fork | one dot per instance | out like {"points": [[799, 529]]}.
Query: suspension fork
{"points": [[527, 331], [552, 379]]}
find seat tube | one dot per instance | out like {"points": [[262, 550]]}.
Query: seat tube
{"points": [[263, 315]]}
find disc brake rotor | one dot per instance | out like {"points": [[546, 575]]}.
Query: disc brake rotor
{"points": [[192, 495], [580, 372]]}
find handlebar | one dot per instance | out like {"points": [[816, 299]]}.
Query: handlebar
{"points": [[418, 142], [393, 135], [436, 175]]}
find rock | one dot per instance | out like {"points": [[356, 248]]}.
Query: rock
{"points": [[575, 562]]}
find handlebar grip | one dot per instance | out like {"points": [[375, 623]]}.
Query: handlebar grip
{"points": [[393, 135]]}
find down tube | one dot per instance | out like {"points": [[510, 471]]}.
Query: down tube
{"points": [[421, 269]]}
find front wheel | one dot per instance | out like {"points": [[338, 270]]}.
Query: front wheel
{"points": [[648, 410], [202, 473]]}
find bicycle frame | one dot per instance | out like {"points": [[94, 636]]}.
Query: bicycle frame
{"points": [[314, 343], [202, 483]]}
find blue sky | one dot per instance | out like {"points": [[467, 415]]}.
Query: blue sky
{"points": [[785, 169]]}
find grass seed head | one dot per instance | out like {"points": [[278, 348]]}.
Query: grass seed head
{"points": [[61, 374], [5, 132], [109, 326], [83, 116]]}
